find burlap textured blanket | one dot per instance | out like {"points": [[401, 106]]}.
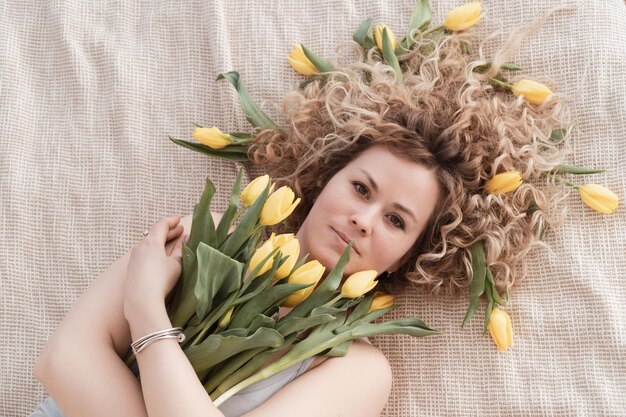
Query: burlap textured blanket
{"points": [[89, 91]]}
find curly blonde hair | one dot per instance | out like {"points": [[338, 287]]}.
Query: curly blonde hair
{"points": [[445, 115]]}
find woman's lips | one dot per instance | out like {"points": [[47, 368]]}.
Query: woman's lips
{"points": [[346, 240]]}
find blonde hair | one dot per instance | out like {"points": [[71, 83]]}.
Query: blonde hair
{"points": [[446, 116]]}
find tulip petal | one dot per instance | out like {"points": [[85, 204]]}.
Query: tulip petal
{"points": [[599, 198]]}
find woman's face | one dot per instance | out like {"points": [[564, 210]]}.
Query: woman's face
{"points": [[380, 201]]}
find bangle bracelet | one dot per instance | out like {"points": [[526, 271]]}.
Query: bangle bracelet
{"points": [[173, 333]]}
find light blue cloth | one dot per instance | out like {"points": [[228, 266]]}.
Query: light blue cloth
{"points": [[245, 400]]}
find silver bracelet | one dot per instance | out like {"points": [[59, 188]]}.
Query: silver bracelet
{"points": [[173, 333]]}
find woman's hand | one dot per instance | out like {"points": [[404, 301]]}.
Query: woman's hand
{"points": [[154, 266]]}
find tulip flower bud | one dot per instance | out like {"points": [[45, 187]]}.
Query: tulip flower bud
{"points": [[599, 198], [532, 91], [463, 17], [290, 247], [254, 190], [359, 283], [278, 206], [378, 36], [265, 249], [225, 320], [212, 137], [380, 301], [300, 62], [309, 273], [504, 182], [500, 328]]}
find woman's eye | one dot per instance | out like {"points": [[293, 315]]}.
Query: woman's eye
{"points": [[396, 221], [360, 188]]}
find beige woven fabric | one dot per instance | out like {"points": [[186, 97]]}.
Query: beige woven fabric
{"points": [[89, 91]]}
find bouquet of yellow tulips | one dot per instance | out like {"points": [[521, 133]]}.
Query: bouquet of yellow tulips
{"points": [[232, 286], [380, 37]]}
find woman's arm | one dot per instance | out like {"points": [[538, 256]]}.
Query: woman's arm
{"points": [[169, 383], [80, 365], [170, 386]]}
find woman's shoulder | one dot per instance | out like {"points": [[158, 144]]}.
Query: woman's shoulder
{"points": [[361, 351]]}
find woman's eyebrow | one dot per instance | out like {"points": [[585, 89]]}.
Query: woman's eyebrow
{"points": [[396, 204]]}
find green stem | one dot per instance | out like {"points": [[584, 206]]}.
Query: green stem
{"points": [[500, 83], [280, 365], [563, 180], [333, 301], [431, 30]]}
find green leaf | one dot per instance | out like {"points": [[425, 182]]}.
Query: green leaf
{"points": [[390, 57], [411, 326], [235, 332], [298, 324], [506, 66], [235, 153], [361, 309], [420, 19], [261, 320], [247, 250], [339, 350], [195, 332], [202, 226], [247, 227], [218, 276], [252, 111], [227, 368], [321, 64], [217, 348], [361, 32], [477, 287], [266, 298], [473, 306], [254, 285], [489, 308], [184, 309], [365, 319], [229, 215], [242, 373], [572, 169], [493, 289]]}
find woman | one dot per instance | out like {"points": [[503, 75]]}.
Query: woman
{"points": [[398, 169]]}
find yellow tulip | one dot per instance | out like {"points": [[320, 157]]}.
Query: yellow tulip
{"points": [[225, 320], [359, 283], [378, 36], [500, 328], [254, 190], [300, 62], [265, 249], [290, 247], [599, 198], [309, 273], [278, 206], [463, 17], [504, 182], [532, 91], [212, 137], [381, 300]]}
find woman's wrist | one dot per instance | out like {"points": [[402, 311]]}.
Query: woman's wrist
{"points": [[149, 317]]}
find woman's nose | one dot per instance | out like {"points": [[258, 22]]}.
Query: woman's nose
{"points": [[363, 222]]}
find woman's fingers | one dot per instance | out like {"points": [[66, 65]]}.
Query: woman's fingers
{"points": [[177, 248], [175, 232], [160, 230]]}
